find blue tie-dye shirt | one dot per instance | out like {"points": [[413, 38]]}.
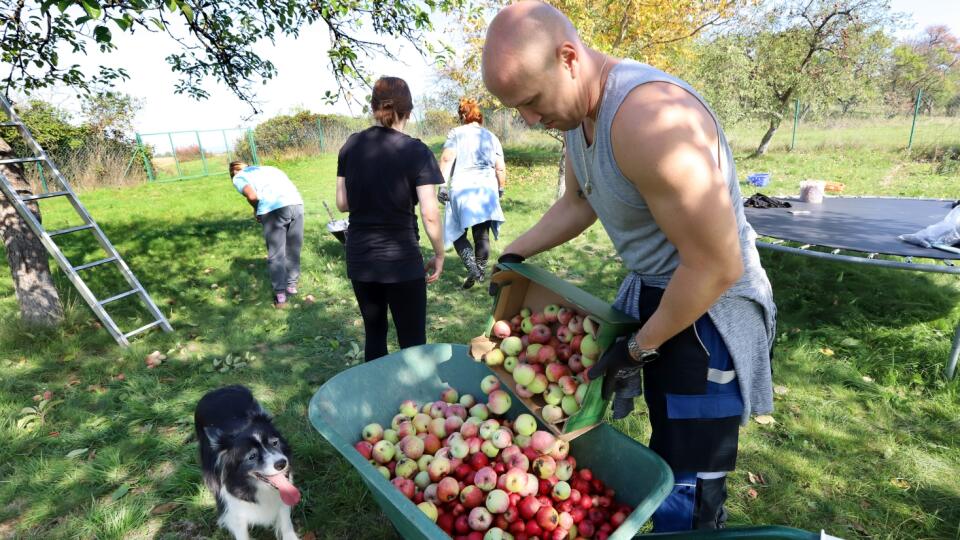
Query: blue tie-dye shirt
{"points": [[274, 189]]}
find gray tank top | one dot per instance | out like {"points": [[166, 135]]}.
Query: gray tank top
{"points": [[622, 210], [745, 315]]}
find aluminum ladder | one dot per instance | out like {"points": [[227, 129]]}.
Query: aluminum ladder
{"points": [[46, 237]]}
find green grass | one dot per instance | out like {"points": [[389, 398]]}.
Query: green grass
{"points": [[852, 134], [865, 442]]}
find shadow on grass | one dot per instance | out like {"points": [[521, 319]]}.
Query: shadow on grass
{"points": [[136, 430], [878, 317]]}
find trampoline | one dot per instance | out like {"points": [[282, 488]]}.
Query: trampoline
{"points": [[857, 230]]}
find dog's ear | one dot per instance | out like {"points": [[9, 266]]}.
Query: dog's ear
{"points": [[214, 436], [258, 413]]}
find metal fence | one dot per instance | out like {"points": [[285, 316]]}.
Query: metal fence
{"points": [[809, 127], [181, 155]]}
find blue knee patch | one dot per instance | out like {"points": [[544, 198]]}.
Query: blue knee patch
{"points": [[676, 511]]}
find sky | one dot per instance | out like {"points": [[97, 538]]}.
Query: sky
{"points": [[304, 75]]}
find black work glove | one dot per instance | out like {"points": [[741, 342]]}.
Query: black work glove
{"points": [[505, 258], [500, 193], [622, 374], [443, 196]]}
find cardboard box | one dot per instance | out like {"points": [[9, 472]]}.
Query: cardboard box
{"points": [[525, 285]]}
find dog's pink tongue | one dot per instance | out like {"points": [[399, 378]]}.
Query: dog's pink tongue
{"points": [[289, 493]]}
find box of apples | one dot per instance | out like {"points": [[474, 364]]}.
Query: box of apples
{"points": [[541, 340]]}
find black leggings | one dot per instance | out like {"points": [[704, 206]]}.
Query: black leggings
{"points": [[407, 301], [481, 237]]}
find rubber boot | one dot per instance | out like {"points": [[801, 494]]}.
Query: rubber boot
{"points": [[470, 262], [481, 269], [709, 512]]}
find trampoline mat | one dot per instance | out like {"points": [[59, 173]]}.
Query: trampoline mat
{"points": [[867, 224]]}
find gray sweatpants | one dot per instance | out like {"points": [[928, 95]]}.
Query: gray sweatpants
{"points": [[283, 231]]}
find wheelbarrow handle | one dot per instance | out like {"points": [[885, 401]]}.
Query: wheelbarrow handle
{"points": [[328, 211]]}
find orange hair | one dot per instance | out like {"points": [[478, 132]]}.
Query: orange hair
{"points": [[469, 111]]}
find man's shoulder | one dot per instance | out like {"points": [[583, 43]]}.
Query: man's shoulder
{"points": [[657, 109]]}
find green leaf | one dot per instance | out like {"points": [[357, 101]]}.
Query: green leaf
{"points": [[102, 34], [76, 453], [92, 7], [119, 492], [187, 11]]}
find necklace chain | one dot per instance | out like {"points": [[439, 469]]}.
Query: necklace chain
{"points": [[587, 188]]}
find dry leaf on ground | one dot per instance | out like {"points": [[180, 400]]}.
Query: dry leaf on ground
{"points": [[764, 419], [163, 508], [756, 478], [901, 483]]}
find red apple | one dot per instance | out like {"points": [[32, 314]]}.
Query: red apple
{"points": [[540, 333], [548, 518]]}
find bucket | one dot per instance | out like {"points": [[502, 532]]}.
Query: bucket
{"points": [[811, 191], [337, 227], [759, 179]]}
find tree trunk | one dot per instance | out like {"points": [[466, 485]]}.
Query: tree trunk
{"points": [[32, 282], [765, 141], [561, 168]]}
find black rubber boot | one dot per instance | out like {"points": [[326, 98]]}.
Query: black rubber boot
{"points": [[481, 269], [708, 511], [470, 262]]}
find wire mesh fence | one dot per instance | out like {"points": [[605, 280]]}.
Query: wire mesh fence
{"points": [[928, 133], [180, 155], [809, 127]]}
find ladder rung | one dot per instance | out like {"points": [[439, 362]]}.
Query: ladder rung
{"points": [[94, 263], [70, 229], [119, 296], [10, 124], [20, 160], [143, 328], [44, 195]]}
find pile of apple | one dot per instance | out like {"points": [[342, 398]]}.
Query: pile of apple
{"points": [[481, 477], [548, 353]]}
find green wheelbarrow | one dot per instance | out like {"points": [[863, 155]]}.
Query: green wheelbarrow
{"points": [[372, 391]]}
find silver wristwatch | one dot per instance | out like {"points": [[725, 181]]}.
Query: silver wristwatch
{"points": [[640, 355]]}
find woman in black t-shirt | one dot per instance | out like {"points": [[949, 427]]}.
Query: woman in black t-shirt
{"points": [[381, 176]]}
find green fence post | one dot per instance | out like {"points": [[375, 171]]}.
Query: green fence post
{"points": [[203, 158], [913, 127], [796, 120], [146, 161], [253, 147], [226, 146], [320, 133], [175, 158], [43, 180]]}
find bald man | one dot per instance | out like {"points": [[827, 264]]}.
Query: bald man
{"points": [[647, 156]]}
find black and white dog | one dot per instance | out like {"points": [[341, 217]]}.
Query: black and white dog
{"points": [[245, 463]]}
